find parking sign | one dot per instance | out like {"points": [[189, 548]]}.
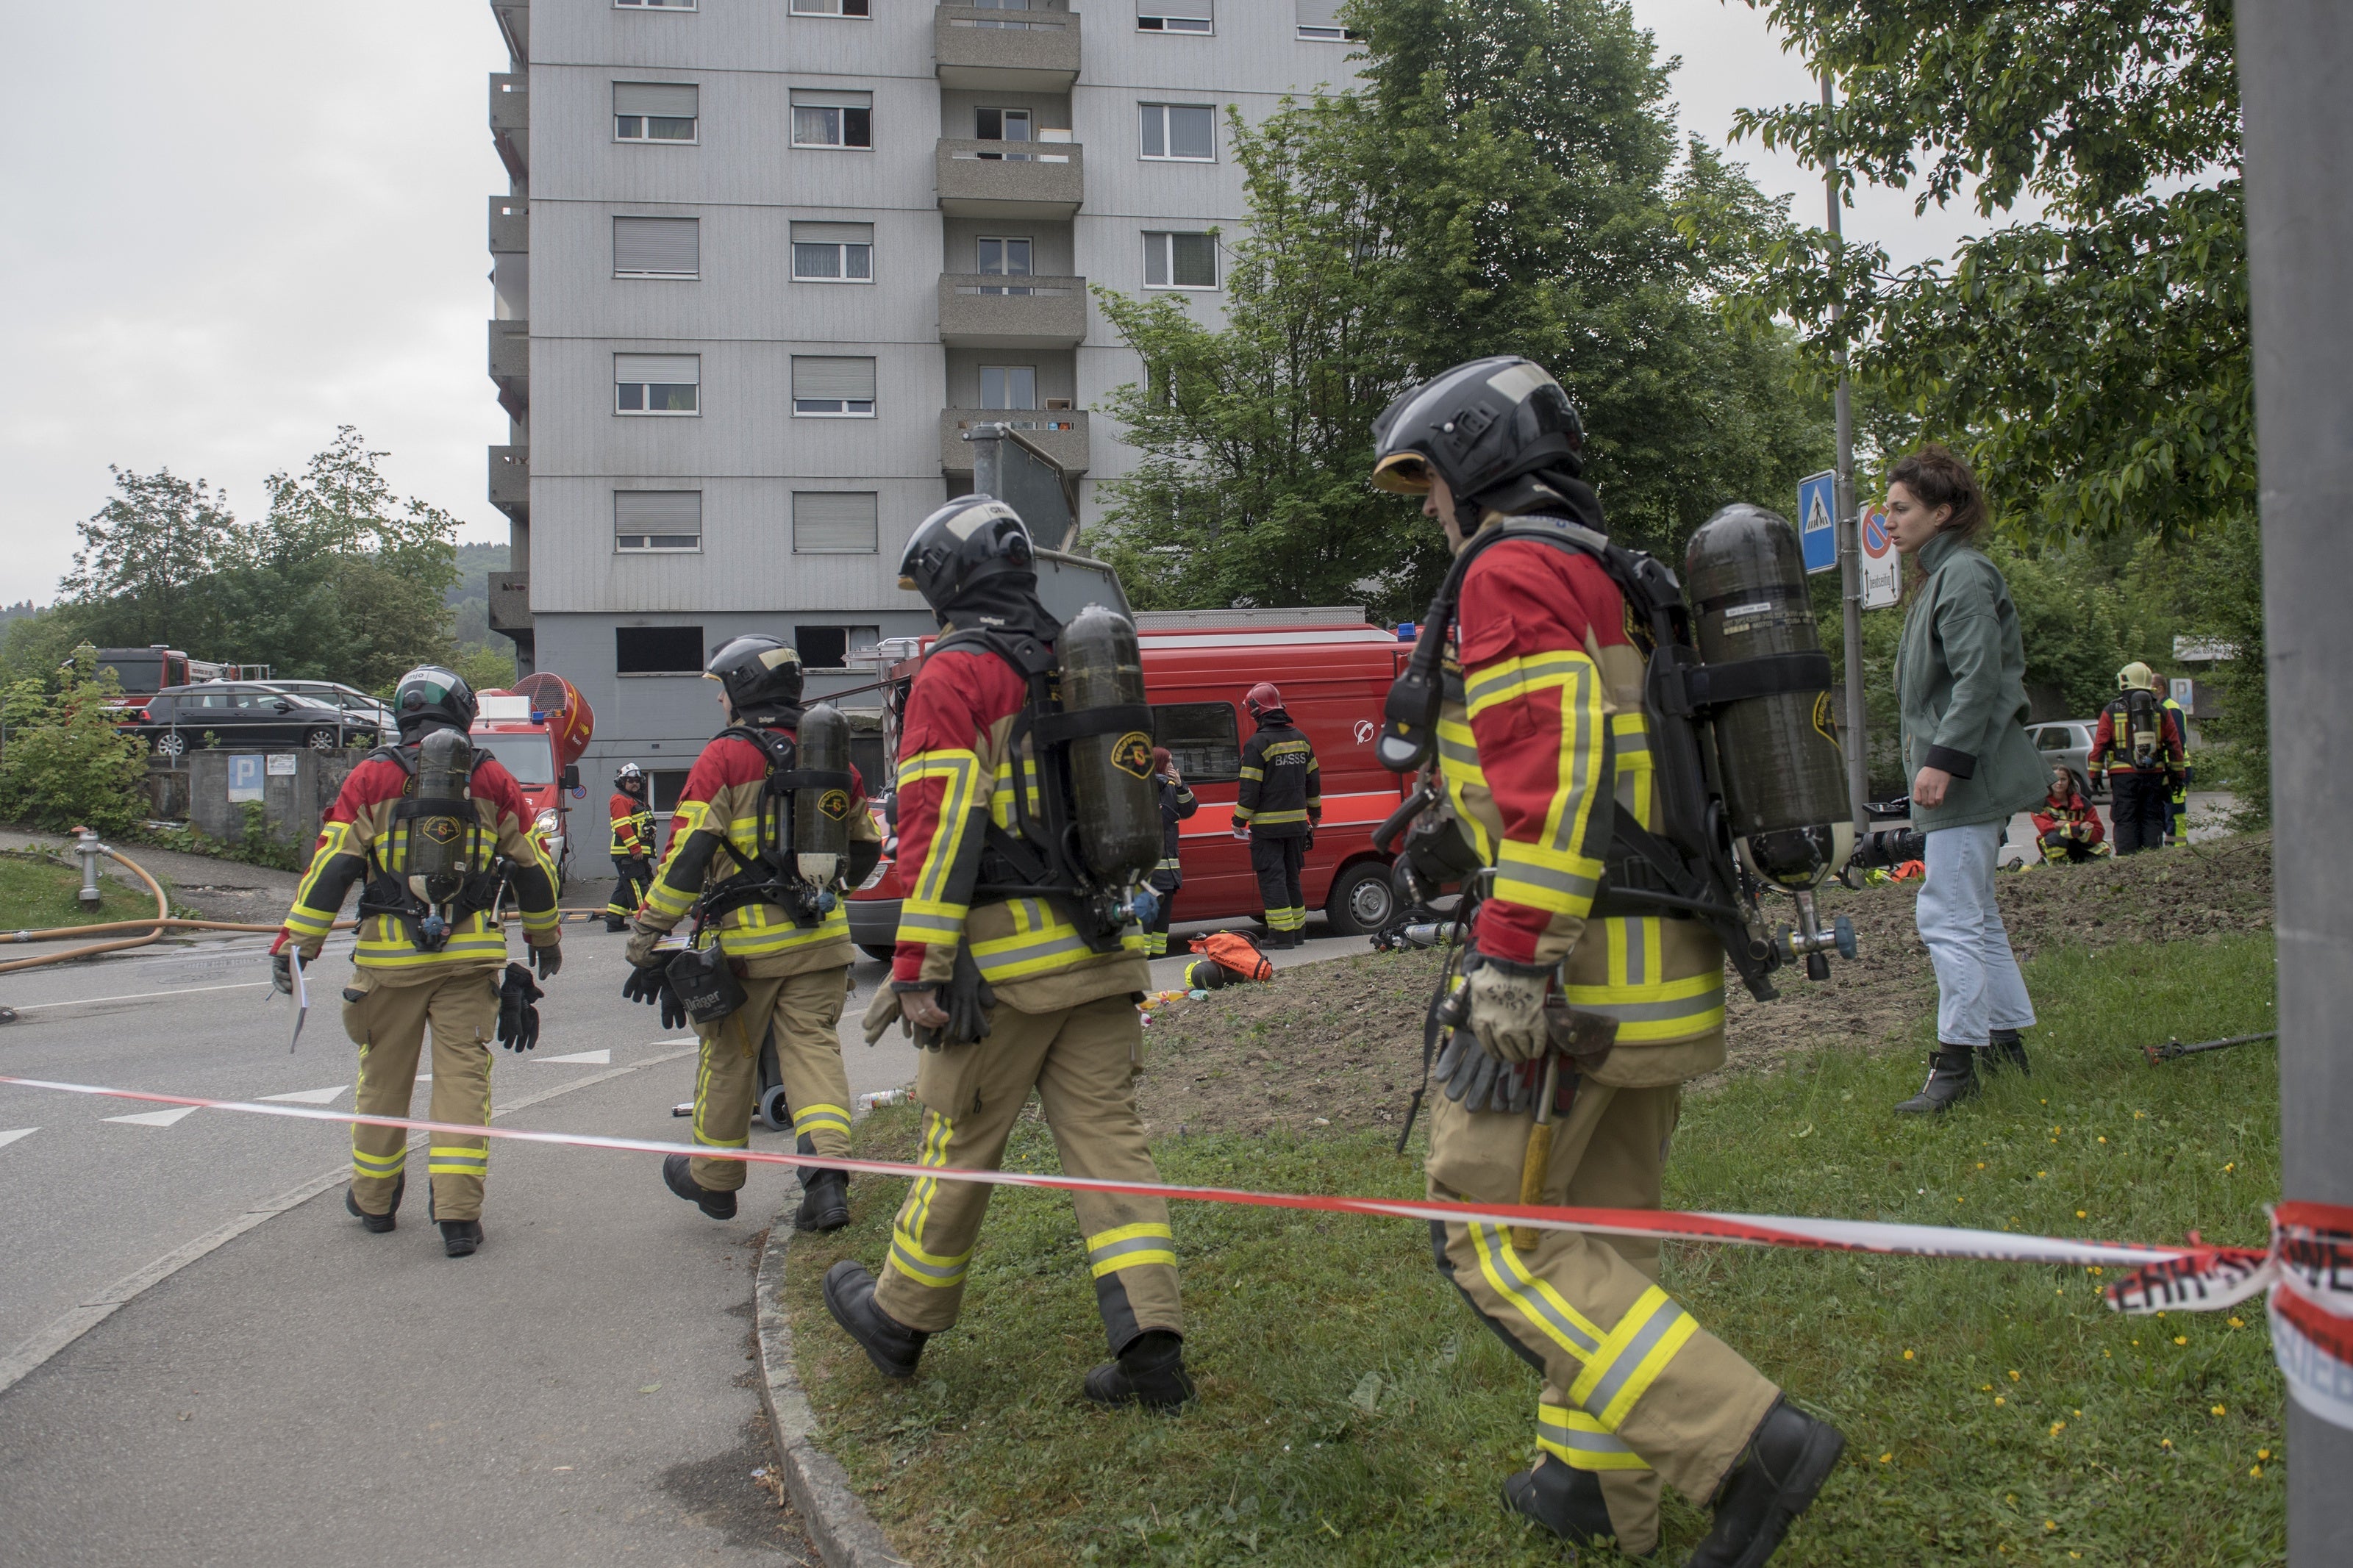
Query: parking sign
{"points": [[1817, 521]]}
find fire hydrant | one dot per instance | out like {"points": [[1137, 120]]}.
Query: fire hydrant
{"points": [[89, 849]]}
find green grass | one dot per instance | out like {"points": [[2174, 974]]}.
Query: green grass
{"points": [[1353, 1410], [36, 893]]}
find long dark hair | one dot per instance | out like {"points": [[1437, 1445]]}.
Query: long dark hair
{"points": [[1937, 478]]}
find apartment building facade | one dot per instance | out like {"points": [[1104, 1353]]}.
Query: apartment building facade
{"points": [[763, 262]]}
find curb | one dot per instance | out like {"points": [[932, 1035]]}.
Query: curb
{"points": [[845, 1533]]}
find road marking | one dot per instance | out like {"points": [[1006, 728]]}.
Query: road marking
{"points": [[585, 1058], [156, 1118], [140, 996], [16, 1133], [311, 1096]]}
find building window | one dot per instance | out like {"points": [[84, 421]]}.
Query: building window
{"points": [[668, 784], [1173, 16], [830, 7], [1319, 23], [832, 118], [1003, 257], [833, 252], [829, 647], [657, 651], [655, 5], [1008, 386], [656, 519], [657, 247], [830, 388], [657, 384], [1180, 130], [654, 110], [1180, 260], [834, 522]]}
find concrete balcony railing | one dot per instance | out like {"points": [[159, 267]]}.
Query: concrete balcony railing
{"points": [[514, 25], [1013, 51], [510, 363], [509, 605], [509, 224], [1060, 433], [510, 122], [511, 480], [1010, 179], [986, 311]]}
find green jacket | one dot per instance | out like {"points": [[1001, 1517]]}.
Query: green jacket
{"points": [[1960, 678]]}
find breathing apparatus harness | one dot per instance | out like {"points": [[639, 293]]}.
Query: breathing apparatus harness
{"points": [[432, 904], [771, 874]]}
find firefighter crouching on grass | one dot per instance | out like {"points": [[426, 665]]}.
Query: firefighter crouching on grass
{"points": [[1177, 803], [791, 955], [1278, 803], [633, 846], [2066, 825], [1543, 741], [1007, 988], [427, 824]]}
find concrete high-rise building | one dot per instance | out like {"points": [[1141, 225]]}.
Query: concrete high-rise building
{"points": [[764, 261]]}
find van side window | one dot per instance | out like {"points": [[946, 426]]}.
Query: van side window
{"points": [[1202, 738]]}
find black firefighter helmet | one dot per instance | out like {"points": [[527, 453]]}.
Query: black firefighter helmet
{"points": [[1480, 426], [761, 678], [431, 697], [965, 544]]}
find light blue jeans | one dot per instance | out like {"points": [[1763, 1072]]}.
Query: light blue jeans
{"points": [[1978, 988]]}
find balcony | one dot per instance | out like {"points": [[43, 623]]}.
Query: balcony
{"points": [[509, 358], [1007, 52], [988, 312], [510, 608], [514, 26], [1010, 179], [510, 481], [511, 123], [509, 224], [1061, 433]]}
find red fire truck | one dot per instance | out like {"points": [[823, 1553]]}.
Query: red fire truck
{"points": [[538, 732], [1335, 671]]}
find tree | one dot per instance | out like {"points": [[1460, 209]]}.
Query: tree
{"points": [[136, 578], [66, 764]]}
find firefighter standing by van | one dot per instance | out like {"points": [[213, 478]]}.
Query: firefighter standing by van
{"points": [[1278, 806], [1011, 990], [1544, 740], [633, 845], [1177, 803], [2138, 747], [431, 952], [793, 962]]}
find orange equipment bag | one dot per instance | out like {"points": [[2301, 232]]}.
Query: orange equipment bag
{"points": [[1231, 955]]}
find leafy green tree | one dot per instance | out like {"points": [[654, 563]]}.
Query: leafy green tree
{"points": [[139, 575], [64, 764]]}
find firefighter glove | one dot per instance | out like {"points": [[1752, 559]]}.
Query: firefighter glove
{"points": [[969, 999], [884, 1011], [641, 948], [1507, 1010], [1478, 1081], [518, 1019], [548, 960], [282, 971], [650, 984]]}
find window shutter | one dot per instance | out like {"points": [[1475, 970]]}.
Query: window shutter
{"points": [[833, 233], [657, 511], [676, 370], [846, 378], [1174, 10], [665, 245], [673, 100], [1318, 12], [827, 98], [834, 522]]}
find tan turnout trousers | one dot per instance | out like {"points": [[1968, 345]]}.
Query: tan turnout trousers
{"points": [[799, 1012], [388, 1023], [1082, 1062], [1634, 1389]]}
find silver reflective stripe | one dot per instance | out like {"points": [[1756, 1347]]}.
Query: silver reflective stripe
{"points": [[1561, 1435], [1624, 1365], [1635, 957], [948, 1274], [1509, 868], [1529, 1298], [1651, 1011], [1132, 1244]]}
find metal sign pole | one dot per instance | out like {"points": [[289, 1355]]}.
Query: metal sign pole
{"points": [[2294, 57], [1850, 537]]}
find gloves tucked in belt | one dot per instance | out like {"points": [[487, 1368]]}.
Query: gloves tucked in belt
{"points": [[518, 1019], [1507, 1008], [649, 984]]}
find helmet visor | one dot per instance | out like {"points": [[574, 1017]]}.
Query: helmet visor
{"points": [[1402, 473]]}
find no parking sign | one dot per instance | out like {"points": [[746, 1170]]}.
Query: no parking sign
{"points": [[1882, 568]]}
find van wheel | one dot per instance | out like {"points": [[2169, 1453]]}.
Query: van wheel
{"points": [[876, 950], [1363, 900]]}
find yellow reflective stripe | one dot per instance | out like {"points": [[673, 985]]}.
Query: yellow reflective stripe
{"points": [[1630, 743], [370, 1165], [907, 1255], [456, 1160], [1633, 955], [1041, 940], [1668, 1010], [305, 918], [1299, 815], [917, 1209], [1645, 1339], [1285, 748], [1561, 883], [1130, 1246], [547, 918], [1511, 678], [1537, 1301], [807, 1117], [702, 1068], [939, 924], [1250, 773], [1582, 1442], [959, 775]]}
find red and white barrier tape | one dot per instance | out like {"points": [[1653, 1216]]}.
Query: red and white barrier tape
{"points": [[2307, 1270]]}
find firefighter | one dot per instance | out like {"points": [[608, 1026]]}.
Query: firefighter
{"points": [[1015, 990], [795, 971], [2138, 747], [431, 950], [2066, 825], [1542, 742], [1277, 808], [633, 845], [2177, 812], [1177, 803]]}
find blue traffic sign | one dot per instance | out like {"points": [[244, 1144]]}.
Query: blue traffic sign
{"points": [[1817, 521]]}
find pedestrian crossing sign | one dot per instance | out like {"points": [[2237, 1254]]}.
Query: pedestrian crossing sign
{"points": [[1817, 521]]}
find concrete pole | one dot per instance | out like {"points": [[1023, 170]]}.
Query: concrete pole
{"points": [[1850, 535], [2295, 57]]}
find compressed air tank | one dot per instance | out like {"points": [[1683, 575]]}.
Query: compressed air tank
{"points": [[440, 831], [821, 815], [1112, 793], [1784, 775]]}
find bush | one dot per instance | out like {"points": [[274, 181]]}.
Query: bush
{"points": [[63, 764]]}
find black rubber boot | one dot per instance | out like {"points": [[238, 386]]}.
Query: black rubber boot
{"points": [[460, 1237], [615, 923], [377, 1224], [825, 1201], [891, 1345], [2006, 1050], [718, 1206], [1564, 1500], [1149, 1371], [1788, 1458], [1952, 1078]]}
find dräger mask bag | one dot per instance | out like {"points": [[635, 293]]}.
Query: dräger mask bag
{"points": [[705, 984]]}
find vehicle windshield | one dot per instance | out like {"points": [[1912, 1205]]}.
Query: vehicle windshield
{"points": [[135, 672], [529, 757]]}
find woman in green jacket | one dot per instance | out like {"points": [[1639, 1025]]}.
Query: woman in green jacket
{"points": [[1960, 674]]}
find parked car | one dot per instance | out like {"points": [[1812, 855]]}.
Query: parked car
{"points": [[243, 714], [372, 714], [2068, 743]]}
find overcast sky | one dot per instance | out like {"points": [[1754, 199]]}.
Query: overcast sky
{"points": [[234, 226]]}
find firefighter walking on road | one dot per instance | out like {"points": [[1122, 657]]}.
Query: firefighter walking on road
{"points": [[1177, 803], [1011, 990], [781, 927], [438, 831], [633, 846], [1278, 808], [2138, 747], [1541, 745]]}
